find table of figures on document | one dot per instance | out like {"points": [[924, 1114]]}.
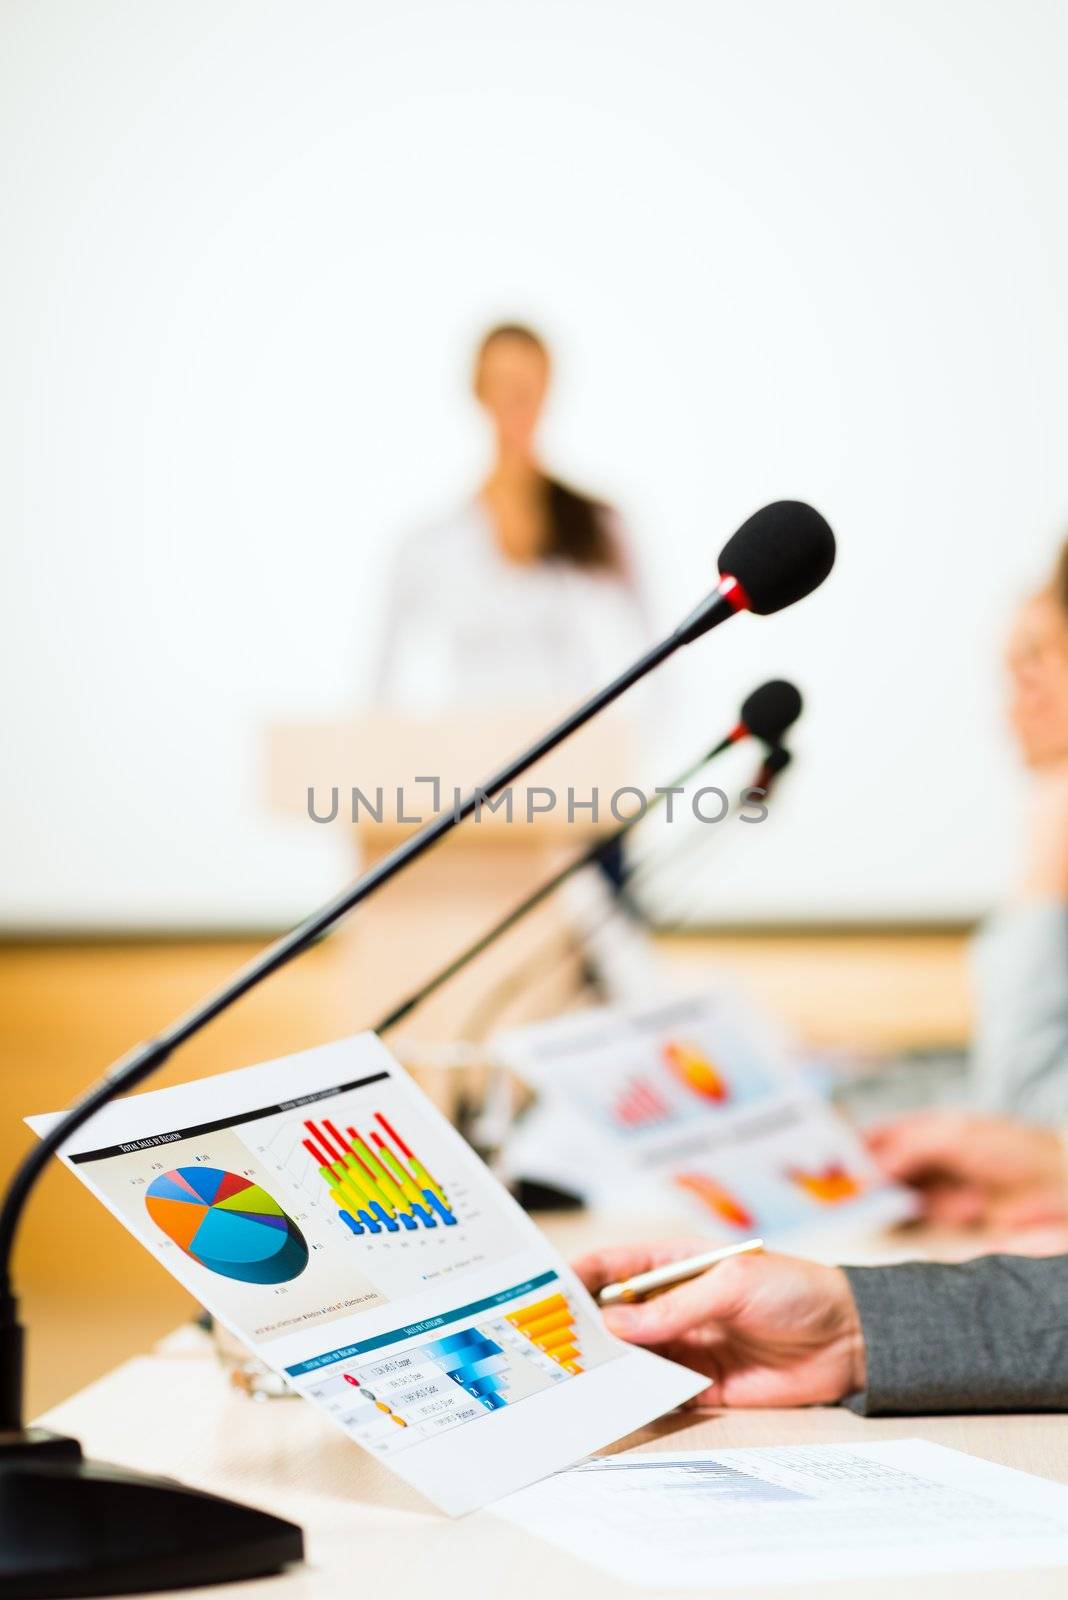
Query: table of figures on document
{"points": [[519, 1345]]}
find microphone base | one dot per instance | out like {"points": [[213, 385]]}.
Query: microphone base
{"points": [[71, 1527], [41, 1443]]}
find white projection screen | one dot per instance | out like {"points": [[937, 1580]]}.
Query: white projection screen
{"points": [[813, 251]]}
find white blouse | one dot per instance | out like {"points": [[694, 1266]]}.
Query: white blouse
{"points": [[465, 626]]}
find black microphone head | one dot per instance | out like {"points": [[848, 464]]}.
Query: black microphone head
{"points": [[771, 709], [780, 554]]}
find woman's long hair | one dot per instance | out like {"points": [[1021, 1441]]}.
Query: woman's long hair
{"points": [[579, 528]]}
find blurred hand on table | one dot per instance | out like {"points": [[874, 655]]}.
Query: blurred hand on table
{"points": [[976, 1171]]}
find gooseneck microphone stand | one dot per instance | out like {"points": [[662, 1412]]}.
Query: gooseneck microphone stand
{"points": [[588, 858], [72, 1528], [785, 711], [777, 760]]}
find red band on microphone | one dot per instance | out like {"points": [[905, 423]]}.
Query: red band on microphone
{"points": [[734, 594]]}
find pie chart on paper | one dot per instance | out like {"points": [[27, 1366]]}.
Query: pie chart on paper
{"points": [[228, 1224]]}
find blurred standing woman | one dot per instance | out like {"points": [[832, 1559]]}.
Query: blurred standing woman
{"points": [[524, 595]]}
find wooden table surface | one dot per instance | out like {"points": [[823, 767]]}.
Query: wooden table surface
{"points": [[173, 1412]]}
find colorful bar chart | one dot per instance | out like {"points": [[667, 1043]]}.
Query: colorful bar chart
{"points": [[640, 1104], [378, 1183], [474, 1361], [550, 1325]]}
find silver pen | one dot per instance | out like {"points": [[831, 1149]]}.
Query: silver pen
{"points": [[644, 1285]]}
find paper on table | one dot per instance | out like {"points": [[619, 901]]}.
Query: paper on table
{"points": [[694, 1107], [322, 1209], [802, 1513]]}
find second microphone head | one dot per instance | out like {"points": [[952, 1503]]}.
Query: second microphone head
{"points": [[779, 555], [771, 709]]}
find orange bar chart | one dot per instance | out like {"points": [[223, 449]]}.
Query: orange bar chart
{"points": [[550, 1325]]}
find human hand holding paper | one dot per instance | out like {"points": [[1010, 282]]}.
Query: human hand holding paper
{"points": [[767, 1330]]}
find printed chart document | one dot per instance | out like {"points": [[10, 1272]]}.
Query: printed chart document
{"points": [[691, 1107], [322, 1209], [799, 1514]]}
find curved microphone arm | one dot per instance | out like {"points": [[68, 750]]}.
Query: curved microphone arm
{"points": [[143, 1060], [767, 713], [537, 896], [634, 873]]}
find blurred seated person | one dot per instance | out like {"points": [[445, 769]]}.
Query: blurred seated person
{"points": [[524, 595], [1021, 956], [1007, 1168], [773, 1330]]}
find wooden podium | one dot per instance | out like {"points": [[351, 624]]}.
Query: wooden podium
{"points": [[475, 875]]}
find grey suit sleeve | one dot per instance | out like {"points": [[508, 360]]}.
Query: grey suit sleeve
{"points": [[990, 1335]]}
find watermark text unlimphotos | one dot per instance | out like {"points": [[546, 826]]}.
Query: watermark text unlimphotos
{"points": [[526, 805]]}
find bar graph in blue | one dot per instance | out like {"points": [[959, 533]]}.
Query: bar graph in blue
{"points": [[475, 1362]]}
